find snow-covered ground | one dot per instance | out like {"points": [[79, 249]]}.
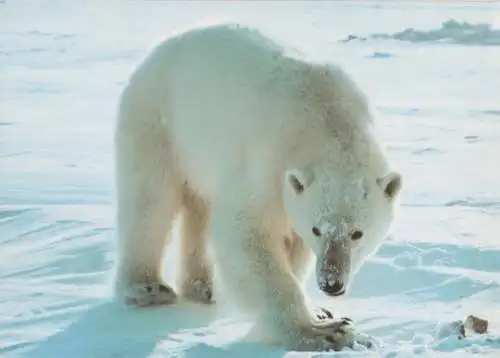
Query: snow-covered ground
{"points": [[432, 71]]}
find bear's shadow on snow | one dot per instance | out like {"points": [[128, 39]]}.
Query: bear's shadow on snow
{"points": [[113, 330], [110, 329]]}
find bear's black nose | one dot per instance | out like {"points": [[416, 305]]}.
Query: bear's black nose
{"points": [[335, 289]]}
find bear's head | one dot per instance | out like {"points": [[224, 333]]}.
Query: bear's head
{"points": [[342, 218]]}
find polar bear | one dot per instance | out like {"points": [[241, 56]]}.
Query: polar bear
{"points": [[273, 157]]}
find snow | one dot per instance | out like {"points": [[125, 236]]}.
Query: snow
{"points": [[432, 75]]}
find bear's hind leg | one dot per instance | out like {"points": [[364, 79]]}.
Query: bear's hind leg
{"points": [[195, 271], [148, 201]]}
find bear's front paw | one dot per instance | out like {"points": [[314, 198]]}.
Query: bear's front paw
{"points": [[198, 290], [331, 335], [149, 294]]}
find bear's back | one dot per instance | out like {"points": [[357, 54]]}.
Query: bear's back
{"points": [[233, 100], [230, 96]]}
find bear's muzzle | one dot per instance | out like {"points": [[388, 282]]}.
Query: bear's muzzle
{"points": [[333, 266]]}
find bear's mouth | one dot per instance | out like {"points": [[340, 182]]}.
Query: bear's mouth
{"points": [[334, 289]]}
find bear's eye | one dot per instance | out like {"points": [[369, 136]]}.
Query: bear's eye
{"points": [[356, 235], [316, 231]]}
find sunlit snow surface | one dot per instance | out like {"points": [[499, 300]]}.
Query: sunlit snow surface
{"points": [[432, 72]]}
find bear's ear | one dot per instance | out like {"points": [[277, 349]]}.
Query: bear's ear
{"points": [[390, 184], [297, 180]]}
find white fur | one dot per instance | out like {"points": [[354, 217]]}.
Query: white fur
{"points": [[211, 126]]}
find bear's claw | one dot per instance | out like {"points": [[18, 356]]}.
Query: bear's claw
{"points": [[150, 294], [332, 335], [323, 313], [198, 291]]}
